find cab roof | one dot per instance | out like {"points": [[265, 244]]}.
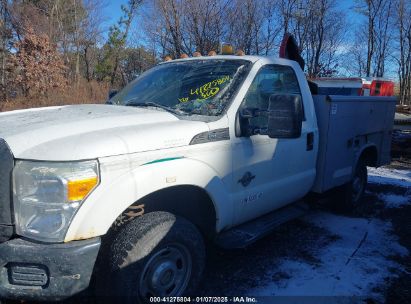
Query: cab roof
{"points": [[251, 58]]}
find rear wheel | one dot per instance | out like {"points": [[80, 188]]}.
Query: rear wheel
{"points": [[358, 184], [347, 198], [157, 254]]}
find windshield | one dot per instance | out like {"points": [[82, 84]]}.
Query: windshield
{"points": [[202, 87]]}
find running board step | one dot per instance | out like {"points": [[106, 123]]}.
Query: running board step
{"points": [[247, 233]]}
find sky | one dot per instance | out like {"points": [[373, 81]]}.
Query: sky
{"points": [[112, 9], [112, 12]]}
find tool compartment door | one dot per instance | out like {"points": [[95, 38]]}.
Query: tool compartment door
{"points": [[347, 125]]}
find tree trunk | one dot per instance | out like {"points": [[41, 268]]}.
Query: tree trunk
{"points": [[3, 46]]}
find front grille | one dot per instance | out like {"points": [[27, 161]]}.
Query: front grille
{"points": [[6, 167]]}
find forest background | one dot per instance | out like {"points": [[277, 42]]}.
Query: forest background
{"points": [[55, 52]]}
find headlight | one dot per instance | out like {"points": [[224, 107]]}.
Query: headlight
{"points": [[47, 196]]}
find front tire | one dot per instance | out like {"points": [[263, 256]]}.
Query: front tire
{"points": [[157, 254]]}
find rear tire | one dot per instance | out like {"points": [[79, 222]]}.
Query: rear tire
{"points": [[359, 183], [157, 254], [348, 197]]}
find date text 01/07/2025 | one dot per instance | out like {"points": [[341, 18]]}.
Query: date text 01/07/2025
{"points": [[203, 300]]}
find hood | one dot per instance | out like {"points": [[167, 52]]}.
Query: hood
{"points": [[91, 131]]}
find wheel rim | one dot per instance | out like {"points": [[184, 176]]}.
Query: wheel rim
{"points": [[358, 185], [167, 272]]}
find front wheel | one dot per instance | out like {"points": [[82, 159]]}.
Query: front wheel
{"points": [[155, 255]]}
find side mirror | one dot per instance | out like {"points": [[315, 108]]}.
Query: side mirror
{"points": [[112, 93], [285, 116]]}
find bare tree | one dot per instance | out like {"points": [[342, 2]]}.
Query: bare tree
{"points": [[318, 27], [153, 30], [354, 60], [271, 28], [371, 9], [172, 14], [287, 9], [246, 22], [5, 36], [404, 57], [91, 35], [204, 23], [383, 35], [149, 30]]}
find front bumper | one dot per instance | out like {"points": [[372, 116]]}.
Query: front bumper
{"points": [[46, 272]]}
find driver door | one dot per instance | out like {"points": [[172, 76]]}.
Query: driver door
{"points": [[269, 172]]}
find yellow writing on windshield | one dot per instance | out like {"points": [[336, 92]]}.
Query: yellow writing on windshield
{"points": [[207, 90]]}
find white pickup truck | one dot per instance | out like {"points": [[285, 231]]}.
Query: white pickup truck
{"points": [[123, 195]]}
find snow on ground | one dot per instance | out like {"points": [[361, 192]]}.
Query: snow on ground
{"points": [[402, 116], [394, 200], [354, 265], [357, 263], [390, 176], [394, 177]]}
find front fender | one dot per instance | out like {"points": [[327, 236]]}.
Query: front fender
{"points": [[122, 185]]}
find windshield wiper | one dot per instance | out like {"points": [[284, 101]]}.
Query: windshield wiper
{"points": [[156, 105]]}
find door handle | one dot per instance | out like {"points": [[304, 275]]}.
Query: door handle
{"points": [[310, 141]]}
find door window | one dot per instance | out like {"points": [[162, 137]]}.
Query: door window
{"points": [[271, 79]]}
